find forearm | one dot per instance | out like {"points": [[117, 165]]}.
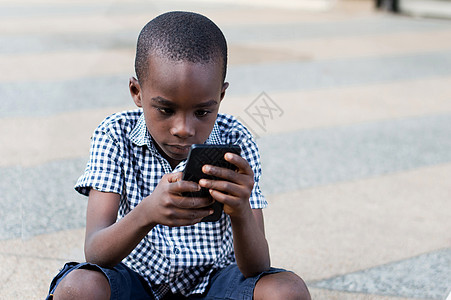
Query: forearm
{"points": [[250, 245], [109, 246]]}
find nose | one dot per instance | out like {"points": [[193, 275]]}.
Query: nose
{"points": [[182, 127]]}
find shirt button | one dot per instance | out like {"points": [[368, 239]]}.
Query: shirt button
{"points": [[176, 250]]}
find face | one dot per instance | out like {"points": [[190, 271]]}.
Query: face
{"points": [[180, 101]]}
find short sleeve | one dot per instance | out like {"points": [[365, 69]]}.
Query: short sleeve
{"points": [[103, 170], [249, 151]]}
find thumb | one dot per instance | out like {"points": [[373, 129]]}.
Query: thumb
{"points": [[174, 177]]}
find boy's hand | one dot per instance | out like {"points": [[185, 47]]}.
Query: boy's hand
{"points": [[167, 206], [234, 191]]}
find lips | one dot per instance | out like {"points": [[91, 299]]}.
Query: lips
{"points": [[181, 149], [181, 146]]}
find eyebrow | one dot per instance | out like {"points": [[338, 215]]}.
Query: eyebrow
{"points": [[163, 101], [166, 102], [206, 104]]}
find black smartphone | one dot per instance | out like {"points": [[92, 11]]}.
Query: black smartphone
{"points": [[203, 154]]}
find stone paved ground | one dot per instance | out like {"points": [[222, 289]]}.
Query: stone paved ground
{"points": [[356, 156]]}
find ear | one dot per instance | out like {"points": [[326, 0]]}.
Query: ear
{"points": [[223, 90], [135, 91]]}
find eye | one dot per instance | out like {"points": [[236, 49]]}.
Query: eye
{"points": [[165, 110], [202, 113]]}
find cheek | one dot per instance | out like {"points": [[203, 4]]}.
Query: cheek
{"points": [[205, 128], [156, 127]]}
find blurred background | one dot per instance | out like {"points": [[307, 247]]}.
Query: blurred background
{"points": [[350, 102]]}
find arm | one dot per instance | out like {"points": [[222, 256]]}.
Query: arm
{"points": [[107, 242], [250, 245]]}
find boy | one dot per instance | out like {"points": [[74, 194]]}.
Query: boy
{"points": [[143, 239]]}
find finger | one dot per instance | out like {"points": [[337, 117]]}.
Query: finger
{"points": [[220, 185], [220, 172], [183, 186], [193, 216], [241, 163], [242, 179], [193, 202], [174, 177], [184, 217], [226, 188], [226, 199]]}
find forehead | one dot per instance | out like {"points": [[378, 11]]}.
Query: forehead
{"points": [[169, 76]]}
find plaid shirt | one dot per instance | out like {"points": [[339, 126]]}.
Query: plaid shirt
{"points": [[124, 160]]}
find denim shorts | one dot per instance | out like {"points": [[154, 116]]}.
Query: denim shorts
{"points": [[226, 283], [229, 283], [124, 282]]}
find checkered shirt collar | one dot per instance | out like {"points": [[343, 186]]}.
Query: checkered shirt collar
{"points": [[140, 136]]}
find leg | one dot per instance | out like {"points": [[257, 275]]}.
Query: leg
{"points": [[83, 284], [283, 285]]}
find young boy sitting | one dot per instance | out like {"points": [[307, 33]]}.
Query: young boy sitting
{"points": [[144, 240]]}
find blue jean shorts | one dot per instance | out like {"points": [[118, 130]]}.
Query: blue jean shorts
{"points": [[226, 283]]}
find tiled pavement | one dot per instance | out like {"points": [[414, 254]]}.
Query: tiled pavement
{"points": [[356, 156]]}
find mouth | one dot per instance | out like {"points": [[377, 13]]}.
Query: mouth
{"points": [[179, 149]]}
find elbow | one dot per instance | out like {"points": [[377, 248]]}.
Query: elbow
{"points": [[90, 253], [256, 270], [99, 261], [94, 256]]}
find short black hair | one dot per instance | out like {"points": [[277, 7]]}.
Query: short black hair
{"points": [[180, 36]]}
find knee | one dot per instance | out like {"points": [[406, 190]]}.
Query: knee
{"points": [[83, 284], [292, 288], [285, 285], [297, 289]]}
